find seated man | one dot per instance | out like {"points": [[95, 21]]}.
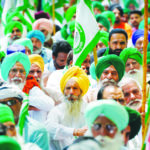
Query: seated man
{"points": [[67, 119], [106, 119]]}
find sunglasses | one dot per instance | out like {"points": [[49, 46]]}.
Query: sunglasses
{"points": [[9, 102]]}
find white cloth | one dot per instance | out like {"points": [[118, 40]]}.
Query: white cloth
{"points": [[40, 100], [61, 133]]}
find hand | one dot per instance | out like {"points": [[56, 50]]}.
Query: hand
{"points": [[80, 132]]}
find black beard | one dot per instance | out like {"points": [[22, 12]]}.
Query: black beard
{"points": [[117, 21], [115, 51], [57, 66]]}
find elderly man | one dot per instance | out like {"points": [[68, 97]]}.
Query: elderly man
{"points": [[105, 123], [67, 119], [38, 38]]}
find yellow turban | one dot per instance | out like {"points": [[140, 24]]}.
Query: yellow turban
{"points": [[80, 77], [38, 60]]}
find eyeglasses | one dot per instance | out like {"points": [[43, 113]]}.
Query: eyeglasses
{"points": [[9, 102], [109, 127], [21, 71]]}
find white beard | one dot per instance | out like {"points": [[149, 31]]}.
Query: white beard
{"points": [[47, 37], [135, 104], [38, 51], [108, 143]]}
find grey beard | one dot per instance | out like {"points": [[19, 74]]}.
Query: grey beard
{"points": [[38, 51], [47, 37]]}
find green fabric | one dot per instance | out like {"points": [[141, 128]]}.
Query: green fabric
{"points": [[70, 40], [104, 38], [6, 114], [72, 26], [109, 15], [8, 143], [2, 54], [148, 47], [110, 109], [12, 24], [25, 5], [148, 57], [64, 32], [10, 61], [141, 25], [106, 61], [134, 121], [70, 12], [148, 8], [134, 2], [98, 5], [131, 53], [103, 20], [126, 11], [25, 42], [92, 71]]}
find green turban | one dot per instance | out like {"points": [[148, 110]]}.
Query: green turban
{"points": [[72, 26], [126, 11], [6, 114], [70, 12], [132, 53], [12, 24], [134, 121], [104, 38], [8, 143], [98, 5], [141, 25], [148, 57], [103, 20], [134, 2], [10, 61], [110, 109], [106, 61], [25, 42], [109, 15]]}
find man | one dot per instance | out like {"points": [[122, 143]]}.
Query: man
{"points": [[38, 38], [45, 26], [118, 11], [135, 17], [98, 8], [67, 119], [105, 123], [60, 51]]}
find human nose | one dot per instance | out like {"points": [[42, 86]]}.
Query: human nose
{"points": [[102, 131], [132, 96], [109, 76]]}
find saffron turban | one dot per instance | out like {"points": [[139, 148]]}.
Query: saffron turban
{"points": [[6, 114], [36, 34], [106, 61], [38, 60], [25, 42], [137, 34], [110, 109], [132, 53], [79, 76], [15, 48], [12, 24], [43, 23], [11, 60]]}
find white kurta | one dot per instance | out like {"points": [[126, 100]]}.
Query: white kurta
{"points": [[61, 133]]}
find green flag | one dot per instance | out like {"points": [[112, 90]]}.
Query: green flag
{"points": [[86, 32]]}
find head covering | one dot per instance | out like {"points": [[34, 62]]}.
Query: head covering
{"points": [[110, 15], [36, 34], [148, 57], [106, 61], [38, 60], [128, 2], [137, 34], [109, 109], [41, 14], [132, 53], [70, 12], [134, 121], [72, 26], [103, 20], [25, 42], [43, 23], [126, 11], [141, 25], [98, 5], [8, 143], [11, 60], [78, 75], [2, 54], [12, 24], [104, 38], [15, 48], [6, 114]]}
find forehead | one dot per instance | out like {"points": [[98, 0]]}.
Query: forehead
{"points": [[116, 10], [18, 65], [134, 15], [62, 55], [113, 90], [15, 28], [9, 98], [110, 68], [35, 39], [129, 60], [141, 39], [130, 86], [72, 83], [117, 36], [35, 67]]}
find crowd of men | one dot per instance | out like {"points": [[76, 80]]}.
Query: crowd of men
{"points": [[47, 103]]}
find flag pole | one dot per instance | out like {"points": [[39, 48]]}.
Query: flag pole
{"points": [[53, 9], [95, 55], [144, 68]]}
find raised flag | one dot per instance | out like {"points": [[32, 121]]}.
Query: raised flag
{"points": [[86, 32]]}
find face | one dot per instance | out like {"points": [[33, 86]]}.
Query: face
{"points": [[125, 18], [118, 15], [110, 73], [135, 20], [112, 92], [96, 11], [101, 27], [36, 71], [132, 7], [132, 94], [126, 134], [104, 127], [37, 45], [45, 32], [100, 45], [139, 44], [11, 130], [86, 64], [131, 65], [17, 74], [28, 51], [60, 60], [16, 34], [117, 43], [72, 90], [14, 104]]}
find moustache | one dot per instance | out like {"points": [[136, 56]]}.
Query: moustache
{"points": [[16, 37], [133, 71], [105, 81], [16, 78], [71, 97]]}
